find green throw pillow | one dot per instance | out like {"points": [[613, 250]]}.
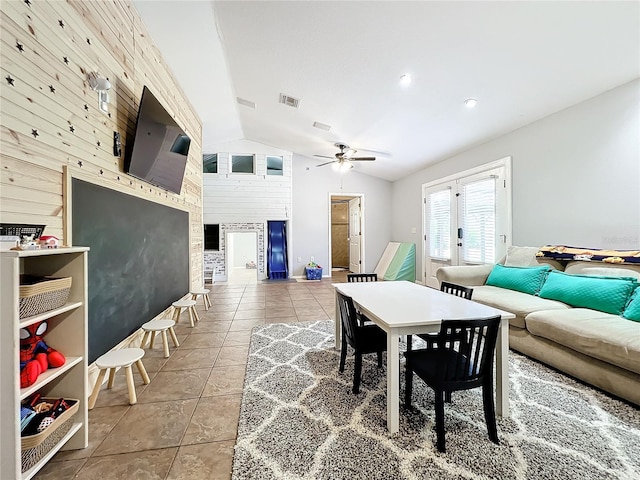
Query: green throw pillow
{"points": [[605, 294], [521, 279], [632, 312]]}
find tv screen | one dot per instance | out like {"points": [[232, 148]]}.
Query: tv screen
{"points": [[160, 146]]}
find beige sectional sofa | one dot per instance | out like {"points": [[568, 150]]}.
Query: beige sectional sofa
{"points": [[596, 347]]}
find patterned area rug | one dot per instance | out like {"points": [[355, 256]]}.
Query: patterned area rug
{"points": [[299, 420]]}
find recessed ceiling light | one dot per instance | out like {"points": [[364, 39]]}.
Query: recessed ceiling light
{"points": [[405, 79], [470, 102]]}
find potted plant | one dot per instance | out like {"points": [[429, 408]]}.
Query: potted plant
{"points": [[313, 271]]}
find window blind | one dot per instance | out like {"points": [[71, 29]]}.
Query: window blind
{"points": [[440, 224], [479, 221]]}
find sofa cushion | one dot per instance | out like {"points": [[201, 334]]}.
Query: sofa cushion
{"points": [[606, 294], [632, 312], [521, 279], [518, 303], [604, 269], [609, 338]]}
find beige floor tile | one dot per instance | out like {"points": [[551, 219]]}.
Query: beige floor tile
{"points": [[55, 470], [235, 338], [184, 359], [208, 326], [280, 312], [225, 381], [247, 314], [215, 419], [212, 316], [175, 385], [119, 394], [205, 461], [203, 340], [292, 319], [223, 307], [313, 317], [149, 464], [148, 426], [232, 356], [246, 324], [250, 306]]}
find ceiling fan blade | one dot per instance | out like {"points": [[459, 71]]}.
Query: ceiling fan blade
{"points": [[349, 153], [322, 156], [326, 163], [362, 159]]}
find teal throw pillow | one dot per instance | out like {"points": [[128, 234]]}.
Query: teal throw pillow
{"points": [[605, 294], [632, 312], [521, 279]]}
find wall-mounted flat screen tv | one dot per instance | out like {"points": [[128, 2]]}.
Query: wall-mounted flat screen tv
{"points": [[160, 146]]}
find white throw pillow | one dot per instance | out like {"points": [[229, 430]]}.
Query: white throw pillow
{"points": [[521, 257]]}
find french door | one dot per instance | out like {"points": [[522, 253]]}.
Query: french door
{"points": [[467, 219]]}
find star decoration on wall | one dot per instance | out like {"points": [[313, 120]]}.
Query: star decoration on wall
{"points": [[61, 23], [65, 60], [98, 142], [101, 171], [86, 107], [80, 163], [52, 88], [28, 2], [72, 129], [109, 114], [89, 41], [10, 80], [20, 47], [34, 132]]}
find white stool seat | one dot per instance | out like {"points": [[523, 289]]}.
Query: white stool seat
{"points": [[124, 357], [159, 325], [190, 306], [204, 292]]}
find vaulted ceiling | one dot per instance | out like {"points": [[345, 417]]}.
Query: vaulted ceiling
{"points": [[343, 61]]}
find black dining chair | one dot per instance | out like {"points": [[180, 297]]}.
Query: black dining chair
{"points": [[453, 289], [362, 277], [363, 339], [449, 364]]}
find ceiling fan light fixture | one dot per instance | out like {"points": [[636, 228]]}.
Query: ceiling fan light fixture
{"points": [[470, 102]]}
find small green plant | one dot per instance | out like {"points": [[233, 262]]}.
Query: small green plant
{"points": [[313, 265]]}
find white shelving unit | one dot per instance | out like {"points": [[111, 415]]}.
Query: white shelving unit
{"points": [[67, 333]]}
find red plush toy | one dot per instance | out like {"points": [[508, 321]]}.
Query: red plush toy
{"points": [[35, 355]]}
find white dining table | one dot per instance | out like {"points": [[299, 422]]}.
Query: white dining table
{"points": [[406, 308]]}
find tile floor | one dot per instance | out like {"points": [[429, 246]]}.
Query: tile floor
{"points": [[185, 422]]}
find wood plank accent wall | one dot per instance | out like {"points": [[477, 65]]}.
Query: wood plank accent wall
{"points": [[50, 116]]}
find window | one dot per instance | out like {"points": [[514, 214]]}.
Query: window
{"points": [[440, 224], [479, 220], [274, 165], [242, 163], [210, 163], [212, 237]]}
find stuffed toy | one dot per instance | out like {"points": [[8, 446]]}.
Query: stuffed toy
{"points": [[35, 355]]}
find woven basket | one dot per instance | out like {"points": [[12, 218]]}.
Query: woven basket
{"points": [[34, 447], [45, 295]]}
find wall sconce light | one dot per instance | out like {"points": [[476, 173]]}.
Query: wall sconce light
{"points": [[101, 85]]}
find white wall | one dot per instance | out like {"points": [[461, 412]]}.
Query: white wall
{"points": [[244, 248], [310, 227], [576, 176]]}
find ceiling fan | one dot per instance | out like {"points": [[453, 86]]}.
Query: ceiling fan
{"points": [[344, 158]]}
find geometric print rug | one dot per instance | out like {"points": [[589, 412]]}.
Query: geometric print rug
{"points": [[299, 420]]}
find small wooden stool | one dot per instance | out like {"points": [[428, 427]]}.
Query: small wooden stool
{"points": [[119, 358], [190, 306], [205, 296], [160, 325]]}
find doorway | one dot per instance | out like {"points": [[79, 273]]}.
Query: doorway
{"points": [[467, 218], [242, 257], [346, 232]]}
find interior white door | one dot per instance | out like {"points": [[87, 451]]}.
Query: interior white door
{"points": [[467, 221], [355, 235]]}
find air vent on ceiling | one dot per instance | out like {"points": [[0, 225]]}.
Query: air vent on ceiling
{"points": [[246, 103], [289, 101], [322, 126]]}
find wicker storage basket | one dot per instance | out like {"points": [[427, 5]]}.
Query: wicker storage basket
{"points": [[34, 447], [42, 295]]}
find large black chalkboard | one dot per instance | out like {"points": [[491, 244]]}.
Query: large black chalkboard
{"points": [[138, 262]]}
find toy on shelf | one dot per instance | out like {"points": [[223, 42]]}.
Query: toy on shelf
{"points": [[35, 355]]}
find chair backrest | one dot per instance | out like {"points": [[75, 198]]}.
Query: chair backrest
{"points": [[348, 318], [457, 290], [362, 277], [467, 348]]}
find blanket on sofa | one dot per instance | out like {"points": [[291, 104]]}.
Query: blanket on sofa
{"points": [[563, 252]]}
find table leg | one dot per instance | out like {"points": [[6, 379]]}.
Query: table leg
{"points": [[393, 383], [337, 323], [502, 369]]}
